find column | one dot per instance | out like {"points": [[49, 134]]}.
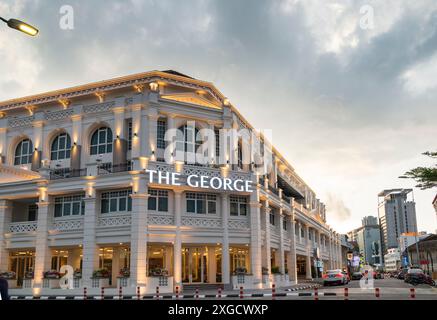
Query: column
{"points": [[292, 268], [42, 251], [170, 152], [90, 253], [76, 137], [139, 232], [281, 242], [115, 264], [3, 140], [225, 245], [152, 134], [212, 265], [255, 238], [5, 220], [308, 257], [178, 239], [120, 143], [137, 129], [38, 140], [267, 249]]}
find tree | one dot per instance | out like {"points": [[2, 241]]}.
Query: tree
{"points": [[426, 177]]}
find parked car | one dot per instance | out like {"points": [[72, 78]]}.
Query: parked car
{"points": [[336, 276], [378, 275], [356, 276]]}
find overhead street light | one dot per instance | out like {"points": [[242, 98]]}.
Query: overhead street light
{"points": [[21, 26]]}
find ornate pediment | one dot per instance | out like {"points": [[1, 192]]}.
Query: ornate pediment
{"points": [[191, 98]]}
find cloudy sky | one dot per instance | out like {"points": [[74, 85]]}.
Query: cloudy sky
{"points": [[352, 99]]}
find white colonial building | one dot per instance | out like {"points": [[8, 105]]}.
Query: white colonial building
{"points": [[84, 183]]}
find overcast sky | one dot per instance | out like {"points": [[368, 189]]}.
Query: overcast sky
{"points": [[351, 106]]}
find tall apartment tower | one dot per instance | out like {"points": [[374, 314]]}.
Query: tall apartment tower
{"points": [[397, 214]]}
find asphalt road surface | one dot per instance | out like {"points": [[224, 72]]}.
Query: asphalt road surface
{"points": [[389, 289]]}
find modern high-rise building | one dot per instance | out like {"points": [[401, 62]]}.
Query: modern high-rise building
{"points": [[397, 215], [368, 238]]}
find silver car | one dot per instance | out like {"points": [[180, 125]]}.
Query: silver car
{"points": [[336, 276]]}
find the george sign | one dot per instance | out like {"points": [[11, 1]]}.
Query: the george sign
{"points": [[200, 181]]}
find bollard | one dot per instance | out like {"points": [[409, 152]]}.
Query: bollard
{"points": [[377, 292], [412, 293], [219, 293], [120, 293], [84, 293], [138, 293], [103, 293], [177, 292], [241, 292], [346, 294], [157, 293], [316, 293], [197, 293], [273, 291]]}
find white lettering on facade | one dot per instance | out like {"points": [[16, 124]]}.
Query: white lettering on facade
{"points": [[196, 181]]}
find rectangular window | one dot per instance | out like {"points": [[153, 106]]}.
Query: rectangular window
{"points": [[160, 134], [32, 212], [238, 206], [201, 203], [129, 135], [272, 218], [69, 205], [217, 143], [284, 224], [158, 200], [116, 201]]}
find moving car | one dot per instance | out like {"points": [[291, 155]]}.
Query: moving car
{"points": [[336, 276], [356, 275], [417, 276], [378, 275]]}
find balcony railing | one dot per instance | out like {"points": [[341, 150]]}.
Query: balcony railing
{"points": [[64, 173], [274, 190], [107, 168], [22, 227]]}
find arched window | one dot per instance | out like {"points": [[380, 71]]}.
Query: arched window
{"points": [[23, 152], [101, 141], [188, 140], [61, 147]]}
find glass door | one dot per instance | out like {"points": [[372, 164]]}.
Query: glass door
{"points": [[194, 265]]}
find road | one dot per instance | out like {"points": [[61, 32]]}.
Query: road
{"points": [[390, 289]]}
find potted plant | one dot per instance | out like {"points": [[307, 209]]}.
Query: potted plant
{"points": [[123, 278], [101, 273], [159, 272], [10, 277], [124, 273], [52, 274], [265, 275], [28, 278], [277, 276], [77, 273], [100, 278], [275, 270], [51, 279], [240, 271]]}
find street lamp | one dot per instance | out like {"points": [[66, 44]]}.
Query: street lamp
{"points": [[21, 26]]}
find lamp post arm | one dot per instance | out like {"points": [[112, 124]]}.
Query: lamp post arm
{"points": [[6, 21]]}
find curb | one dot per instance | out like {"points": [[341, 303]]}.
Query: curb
{"points": [[181, 296]]}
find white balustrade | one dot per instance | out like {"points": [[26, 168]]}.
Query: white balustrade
{"points": [[22, 227]]}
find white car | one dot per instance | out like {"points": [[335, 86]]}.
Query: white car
{"points": [[336, 276]]}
